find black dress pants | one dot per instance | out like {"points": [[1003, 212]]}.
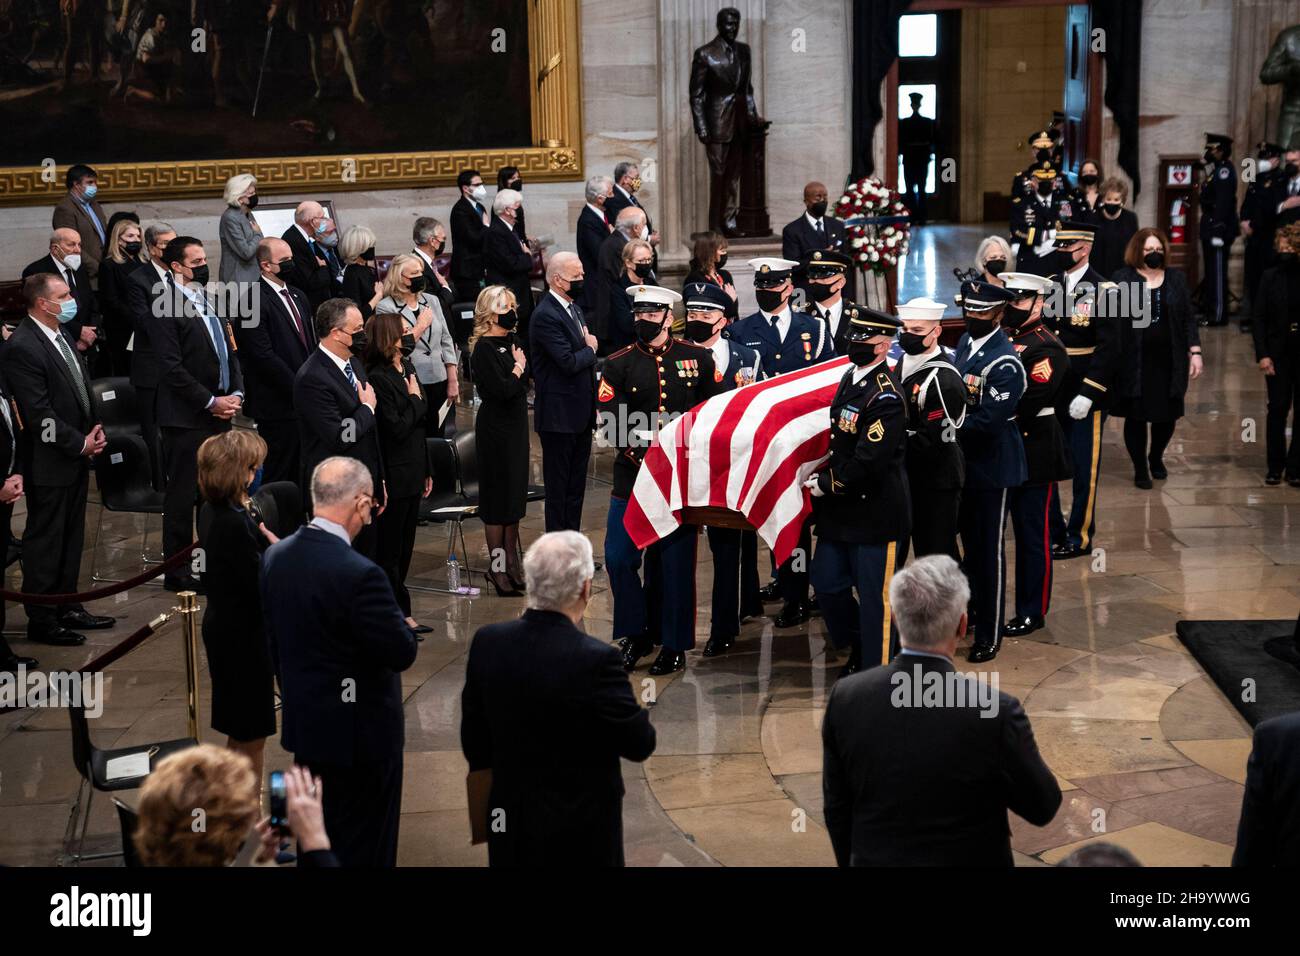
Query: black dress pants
{"points": [[180, 455], [283, 450], [52, 544], [564, 473], [363, 809], [396, 542]]}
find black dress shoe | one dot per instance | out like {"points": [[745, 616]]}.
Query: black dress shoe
{"points": [[1158, 470], [793, 614], [1293, 482], [752, 612], [422, 629], [668, 662], [854, 663], [189, 583], [58, 636], [1143, 483], [770, 591], [979, 653], [11, 663], [718, 645], [86, 621], [1272, 478], [1020, 626], [634, 649], [1063, 552]]}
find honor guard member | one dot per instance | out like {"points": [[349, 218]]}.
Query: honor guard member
{"points": [[860, 503], [994, 453], [735, 552], [827, 272], [1258, 219], [1218, 226], [1090, 333], [1046, 459], [935, 397], [786, 341], [1034, 220], [1022, 184], [643, 388]]}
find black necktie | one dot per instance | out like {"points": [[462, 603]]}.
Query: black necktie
{"points": [[479, 207], [820, 231], [72, 283]]}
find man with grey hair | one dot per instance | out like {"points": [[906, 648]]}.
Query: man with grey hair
{"points": [[594, 227], [629, 224], [312, 237], [430, 238], [919, 767], [338, 641], [546, 714], [507, 260]]}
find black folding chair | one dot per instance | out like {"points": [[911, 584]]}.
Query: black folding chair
{"points": [[454, 462], [129, 821], [122, 472]]}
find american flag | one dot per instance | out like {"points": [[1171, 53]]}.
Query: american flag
{"points": [[749, 450]]}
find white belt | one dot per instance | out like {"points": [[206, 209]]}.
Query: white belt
{"points": [[1045, 411]]}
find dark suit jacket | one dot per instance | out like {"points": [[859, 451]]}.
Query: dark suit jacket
{"points": [[609, 270], [143, 289], [445, 295], [316, 280], [549, 710], [114, 299], [189, 365], [799, 238], [45, 391], [87, 304], [592, 232], [721, 91], [467, 231], [564, 371], [927, 785], [333, 625], [10, 460], [332, 420], [1269, 831], [505, 263], [270, 353]]}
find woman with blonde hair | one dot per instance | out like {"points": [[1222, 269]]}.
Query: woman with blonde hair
{"points": [[232, 539], [123, 254], [360, 277], [427, 340], [239, 231], [501, 432]]}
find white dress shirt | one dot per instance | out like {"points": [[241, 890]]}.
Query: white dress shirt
{"points": [[783, 320], [860, 373], [832, 313], [721, 355]]}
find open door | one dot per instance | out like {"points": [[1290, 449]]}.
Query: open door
{"points": [[1082, 106]]}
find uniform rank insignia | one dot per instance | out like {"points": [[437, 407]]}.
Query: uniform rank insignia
{"points": [[606, 392], [1020, 348], [934, 415], [998, 396], [848, 420], [717, 374], [876, 430], [1042, 370]]}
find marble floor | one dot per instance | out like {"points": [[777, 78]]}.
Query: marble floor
{"points": [[1149, 752]]}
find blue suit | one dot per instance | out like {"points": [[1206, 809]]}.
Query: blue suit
{"points": [[564, 406], [806, 343], [995, 461]]}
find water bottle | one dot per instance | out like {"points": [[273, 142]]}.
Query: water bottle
{"points": [[453, 573]]}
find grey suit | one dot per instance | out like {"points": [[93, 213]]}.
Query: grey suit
{"points": [[238, 247]]}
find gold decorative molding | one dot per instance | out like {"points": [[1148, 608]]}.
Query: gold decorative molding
{"points": [[554, 156]]}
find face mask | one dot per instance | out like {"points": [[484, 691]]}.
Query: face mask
{"points": [[1111, 208], [417, 284], [200, 275], [644, 233], [817, 209], [437, 248], [91, 191], [862, 354], [995, 267], [722, 261], [575, 288], [67, 311], [407, 346], [647, 330], [73, 261], [699, 330], [978, 328], [508, 320], [819, 291], [479, 192], [359, 342], [1154, 260], [1088, 180], [643, 270], [251, 201], [132, 249], [517, 185], [769, 300], [1264, 165], [1013, 317], [634, 185], [1045, 188], [911, 343], [284, 269], [330, 239], [1291, 169], [369, 253], [1043, 155]]}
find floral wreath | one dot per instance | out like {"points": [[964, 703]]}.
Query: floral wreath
{"points": [[877, 223]]}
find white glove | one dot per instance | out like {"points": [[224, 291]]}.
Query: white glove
{"points": [[812, 485], [1216, 242], [1080, 407]]}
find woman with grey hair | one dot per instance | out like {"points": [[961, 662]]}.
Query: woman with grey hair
{"points": [[360, 277], [992, 258], [239, 231]]}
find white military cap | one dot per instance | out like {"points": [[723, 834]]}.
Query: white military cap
{"points": [[1025, 283], [921, 310], [771, 270], [652, 298]]}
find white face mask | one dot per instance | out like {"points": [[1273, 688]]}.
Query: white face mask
{"points": [[645, 232], [479, 192], [73, 261], [1264, 165]]}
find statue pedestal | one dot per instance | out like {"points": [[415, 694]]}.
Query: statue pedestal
{"points": [[751, 218]]}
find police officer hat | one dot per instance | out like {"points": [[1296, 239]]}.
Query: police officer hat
{"points": [[824, 263], [1219, 140], [980, 296], [1267, 150], [867, 323], [1070, 231], [705, 297], [1041, 139], [1023, 284], [652, 298], [771, 271]]}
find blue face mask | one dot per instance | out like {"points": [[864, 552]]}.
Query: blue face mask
{"points": [[91, 191], [67, 311]]}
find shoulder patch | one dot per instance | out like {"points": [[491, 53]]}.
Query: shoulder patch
{"points": [[623, 351], [606, 391]]}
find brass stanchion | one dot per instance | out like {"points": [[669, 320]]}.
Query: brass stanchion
{"points": [[189, 610]]}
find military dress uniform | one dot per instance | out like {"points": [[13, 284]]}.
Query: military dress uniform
{"points": [[1034, 221], [786, 341], [1218, 197], [1090, 334], [861, 508], [995, 461], [1041, 142], [641, 390], [835, 312], [1046, 459], [1258, 208]]}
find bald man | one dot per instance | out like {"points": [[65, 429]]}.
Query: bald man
{"points": [[812, 231], [314, 239], [65, 261]]}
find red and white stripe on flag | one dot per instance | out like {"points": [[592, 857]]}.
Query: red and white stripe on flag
{"points": [[749, 450]]}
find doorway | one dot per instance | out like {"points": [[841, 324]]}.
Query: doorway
{"points": [[929, 66]]}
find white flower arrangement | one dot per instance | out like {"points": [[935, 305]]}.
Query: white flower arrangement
{"points": [[876, 247]]}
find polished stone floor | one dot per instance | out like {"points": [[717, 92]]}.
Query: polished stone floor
{"points": [[1149, 752]]}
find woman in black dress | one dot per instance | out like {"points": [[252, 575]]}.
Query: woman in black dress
{"points": [[122, 256], [400, 409], [501, 431], [232, 539], [1087, 196], [1159, 353], [1115, 225], [637, 260], [360, 279], [707, 260]]}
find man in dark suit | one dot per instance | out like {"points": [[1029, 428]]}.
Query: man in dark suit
{"points": [[814, 231], [506, 259], [1269, 831], [65, 261], [79, 211], [200, 389], [548, 712], [469, 221], [564, 407], [916, 143], [145, 287], [339, 641], [629, 224], [594, 227], [428, 237], [313, 238], [50, 383], [10, 491], [335, 404], [921, 763], [271, 350]]}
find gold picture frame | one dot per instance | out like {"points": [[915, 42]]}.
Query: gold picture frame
{"points": [[555, 155]]}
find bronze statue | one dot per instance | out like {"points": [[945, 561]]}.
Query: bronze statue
{"points": [[1282, 65], [725, 115]]}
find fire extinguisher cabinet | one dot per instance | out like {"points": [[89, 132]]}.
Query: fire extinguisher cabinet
{"points": [[1178, 213]]}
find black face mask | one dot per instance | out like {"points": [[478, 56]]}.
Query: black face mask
{"points": [[407, 346], [1043, 155], [132, 249], [1154, 260], [369, 254], [517, 186], [1045, 188], [819, 291], [644, 270], [995, 267], [418, 284], [1287, 260], [647, 330], [722, 261], [817, 209], [978, 328], [284, 269], [508, 320], [252, 201], [862, 354], [359, 342], [1088, 180], [200, 275], [575, 289], [699, 330], [1013, 317], [769, 300], [911, 343], [1111, 208], [437, 248], [1291, 169]]}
